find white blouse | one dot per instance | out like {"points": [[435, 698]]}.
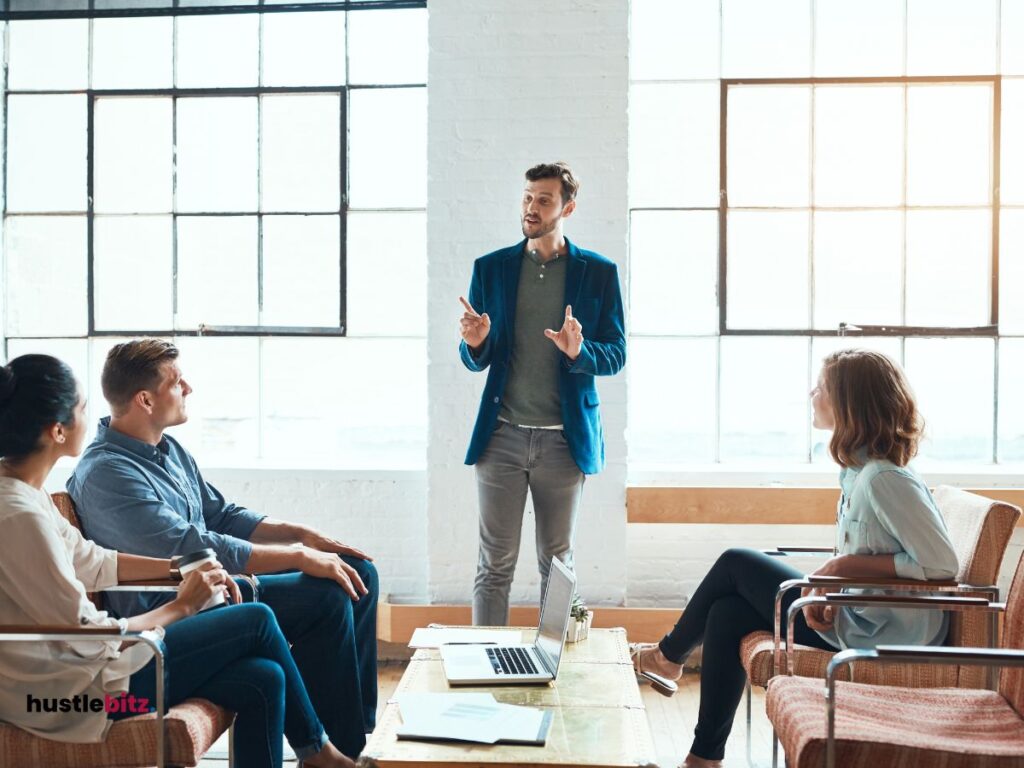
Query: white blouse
{"points": [[46, 568]]}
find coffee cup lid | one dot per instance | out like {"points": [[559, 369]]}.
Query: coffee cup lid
{"points": [[195, 557]]}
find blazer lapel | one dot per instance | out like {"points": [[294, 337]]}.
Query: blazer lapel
{"points": [[510, 269], [574, 273]]}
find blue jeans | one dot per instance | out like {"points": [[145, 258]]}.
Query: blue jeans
{"points": [[236, 657], [334, 644]]}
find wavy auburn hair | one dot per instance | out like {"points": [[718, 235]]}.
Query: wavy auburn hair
{"points": [[873, 406]]}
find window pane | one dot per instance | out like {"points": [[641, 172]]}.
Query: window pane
{"points": [[46, 149], [46, 276], [388, 124], [762, 39], [388, 46], [133, 155], [132, 53], [51, 54], [765, 407], [680, 374], [1011, 400], [768, 269], [858, 145], [301, 270], [301, 150], [217, 154], [1011, 271], [673, 40], [380, 246], [223, 412], [858, 273], [858, 38], [376, 415], [769, 145], [821, 346], [217, 271], [1011, 147], [953, 380], [949, 140], [74, 352], [949, 255], [304, 48], [1012, 15], [673, 144], [218, 51], [673, 272], [950, 36], [129, 252]]}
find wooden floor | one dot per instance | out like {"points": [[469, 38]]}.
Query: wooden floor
{"points": [[672, 720]]}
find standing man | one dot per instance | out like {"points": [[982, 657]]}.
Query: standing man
{"points": [[539, 425]]}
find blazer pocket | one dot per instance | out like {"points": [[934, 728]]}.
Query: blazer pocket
{"points": [[591, 399]]}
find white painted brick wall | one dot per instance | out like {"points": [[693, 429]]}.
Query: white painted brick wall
{"points": [[513, 83]]}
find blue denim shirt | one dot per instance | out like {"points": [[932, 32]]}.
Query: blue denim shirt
{"points": [[152, 500], [885, 509]]}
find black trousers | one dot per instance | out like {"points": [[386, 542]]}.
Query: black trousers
{"points": [[736, 597]]}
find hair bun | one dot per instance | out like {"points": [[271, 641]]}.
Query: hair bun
{"points": [[7, 383]]}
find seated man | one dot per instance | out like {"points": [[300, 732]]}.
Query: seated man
{"points": [[139, 491]]}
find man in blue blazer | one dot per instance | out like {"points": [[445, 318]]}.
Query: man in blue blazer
{"points": [[539, 425]]}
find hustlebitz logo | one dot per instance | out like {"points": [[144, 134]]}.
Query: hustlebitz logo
{"points": [[125, 704]]}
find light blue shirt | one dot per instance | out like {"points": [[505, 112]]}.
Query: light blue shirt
{"points": [[152, 500], [885, 509]]}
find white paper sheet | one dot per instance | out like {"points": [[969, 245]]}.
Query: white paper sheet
{"points": [[435, 637], [474, 717]]}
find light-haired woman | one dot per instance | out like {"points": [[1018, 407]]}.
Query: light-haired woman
{"points": [[888, 526]]}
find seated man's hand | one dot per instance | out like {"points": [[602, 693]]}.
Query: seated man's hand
{"points": [[327, 565], [818, 617], [316, 540]]}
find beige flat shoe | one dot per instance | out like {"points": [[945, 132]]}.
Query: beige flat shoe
{"points": [[659, 683]]}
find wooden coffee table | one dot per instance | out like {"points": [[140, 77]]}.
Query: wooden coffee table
{"points": [[599, 717]]}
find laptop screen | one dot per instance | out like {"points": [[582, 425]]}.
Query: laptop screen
{"points": [[554, 614]]}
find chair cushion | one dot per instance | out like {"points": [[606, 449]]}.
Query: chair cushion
{"points": [[758, 648], [192, 727], [886, 725]]}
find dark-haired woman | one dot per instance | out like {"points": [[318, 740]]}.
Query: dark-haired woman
{"points": [[888, 526], [235, 656]]}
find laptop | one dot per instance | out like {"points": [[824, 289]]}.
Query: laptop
{"points": [[509, 664]]}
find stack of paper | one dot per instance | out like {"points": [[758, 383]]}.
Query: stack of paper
{"points": [[475, 717], [435, 637]]}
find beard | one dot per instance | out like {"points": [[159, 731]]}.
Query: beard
{"points": [[542, 228]]}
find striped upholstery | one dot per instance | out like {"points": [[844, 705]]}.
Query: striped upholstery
{"points": [[894, 726], [882, 725], [980, 530], [191, 728], [1011, 680]]}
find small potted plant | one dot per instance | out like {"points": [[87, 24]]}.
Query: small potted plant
{"points": [[580, 620]]}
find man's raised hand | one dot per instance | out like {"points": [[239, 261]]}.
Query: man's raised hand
{"points": [[570, 338], [473, 327]]}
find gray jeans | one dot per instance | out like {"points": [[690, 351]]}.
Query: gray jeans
{"points": [[518, 459]]}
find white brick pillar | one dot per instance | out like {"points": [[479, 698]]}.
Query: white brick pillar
{"points": [[513, 83]]}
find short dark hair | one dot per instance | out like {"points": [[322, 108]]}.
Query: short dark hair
{"points": [[560, 171], [874, 408], [133, 366], [36, 392]]}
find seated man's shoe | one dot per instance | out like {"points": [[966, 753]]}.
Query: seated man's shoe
{"points": [[651, 665]]}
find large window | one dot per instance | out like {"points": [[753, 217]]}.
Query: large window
{"points": [[813, 174], [250, 184]]}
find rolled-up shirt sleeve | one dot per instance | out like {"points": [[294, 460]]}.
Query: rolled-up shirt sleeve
{"points": [[129, 516], [225, 517], [906, 511]]}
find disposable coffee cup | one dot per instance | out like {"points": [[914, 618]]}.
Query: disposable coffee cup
{"points": [[194, 560]]}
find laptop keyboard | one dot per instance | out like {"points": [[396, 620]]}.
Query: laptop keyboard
{"points": [[511, 661]]}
